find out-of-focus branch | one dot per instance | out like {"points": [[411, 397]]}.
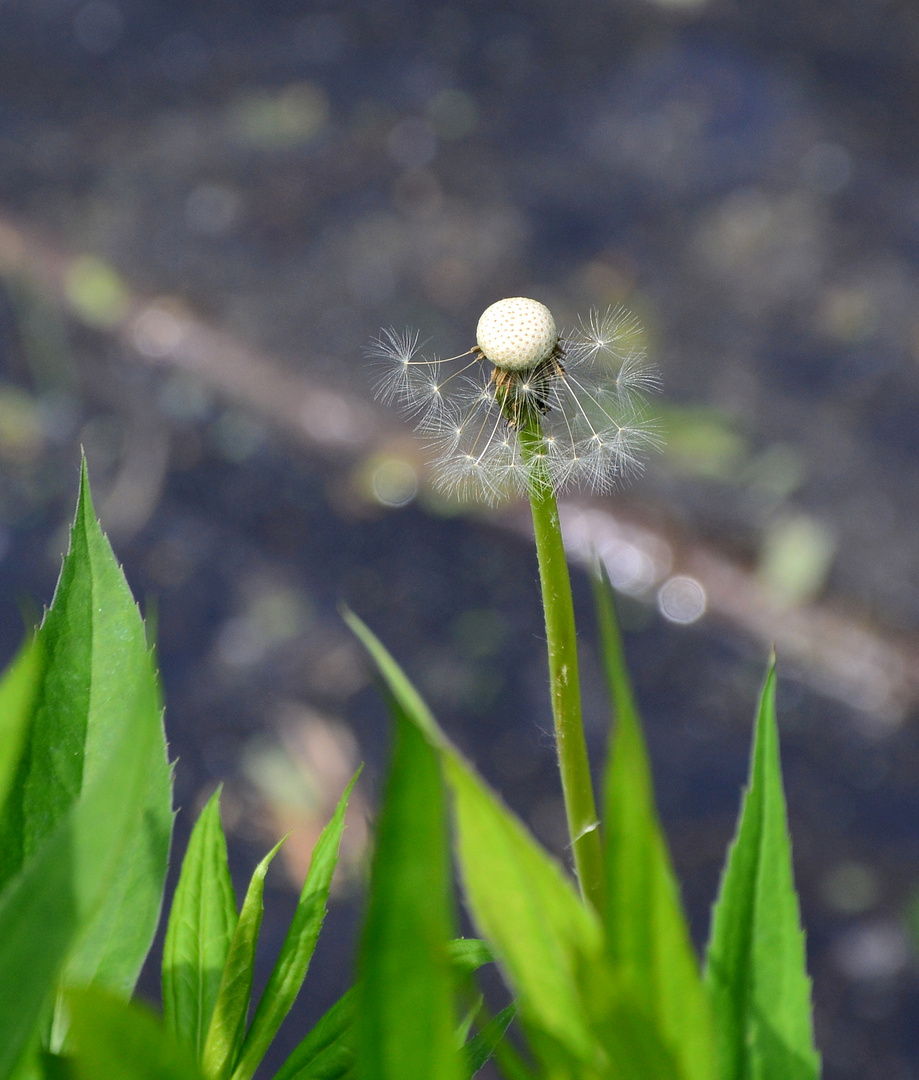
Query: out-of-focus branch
{"points": [[836, 653]]}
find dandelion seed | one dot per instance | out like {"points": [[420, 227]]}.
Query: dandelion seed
{"points": [[525, 406]]}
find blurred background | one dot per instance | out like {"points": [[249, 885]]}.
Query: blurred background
{"points": [[206, 212]]}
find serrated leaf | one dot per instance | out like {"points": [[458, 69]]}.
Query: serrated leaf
{"points": [[756, 971], [228, 1021], [299, 943], [200, 929], [111, 1038], [63, 885], [646, 930], [406, 1015], [97, 677]]}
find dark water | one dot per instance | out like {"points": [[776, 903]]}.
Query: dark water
{"points": [[300, 175]]}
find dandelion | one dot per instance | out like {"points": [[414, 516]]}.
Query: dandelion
{"points": [[526, 407], [529, 411]]}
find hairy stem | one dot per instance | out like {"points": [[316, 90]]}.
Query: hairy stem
{"points": [[561, 639]]}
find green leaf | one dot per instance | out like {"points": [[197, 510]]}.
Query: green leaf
{"points": [[327, 1053], [756, 971], [18, 691], [111, 1038], [646, 930], [469, 954], [548, 942], [578, 1015], [299, 943], [406, 1014], [38, 918], [201, 925], [228, 1020], [64, 884], [97, 678], [481, 1046]]}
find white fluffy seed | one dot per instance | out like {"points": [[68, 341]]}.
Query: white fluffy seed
{"points": [[516, 334]]}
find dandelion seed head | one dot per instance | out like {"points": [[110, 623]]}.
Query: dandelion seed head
{"points": [[542, 412], [517, 334]]}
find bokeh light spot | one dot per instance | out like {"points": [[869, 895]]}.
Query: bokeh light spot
{"points": [[681, 599]]}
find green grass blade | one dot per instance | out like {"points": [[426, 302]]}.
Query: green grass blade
{"points": [[328, 1051], [756, 971], [481, 1046], [228, 1021], [111, 1038], [201, 925], [290, 969], [646, 929], [406, 1018]]}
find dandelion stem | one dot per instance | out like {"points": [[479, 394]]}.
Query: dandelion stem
{"points": [[561, 638]]}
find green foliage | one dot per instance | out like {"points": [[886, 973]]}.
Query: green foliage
{"points": [[406, 1011], [201, 925], [297, 950], [646, 930], [112, 1038], [755, 964], [579, 1014], [327, 1053], [85, 828], [603, 987], [228, 1021], [209, 953]]}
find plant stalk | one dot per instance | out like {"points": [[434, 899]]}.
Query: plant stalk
{"points": [[564, 681]]}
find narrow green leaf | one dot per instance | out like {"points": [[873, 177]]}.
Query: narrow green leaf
{"points": [[481, 1046], [544, 936], [406, 1015], [299, 943], [200, 929], [228, 1020], [646, 930], [111, 1038], [328, 1051], [18, 691], [756, 970], [469, 954]]}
